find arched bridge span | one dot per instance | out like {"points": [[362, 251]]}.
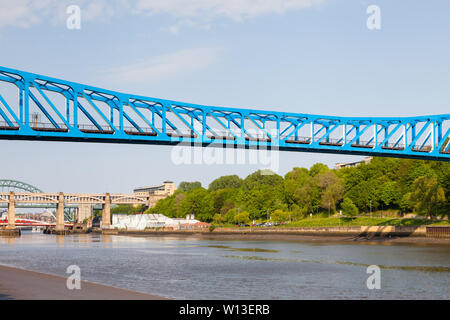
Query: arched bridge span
{"points": [[14, 185]]}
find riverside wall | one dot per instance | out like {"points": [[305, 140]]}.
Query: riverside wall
{"points": [[354, 231]]}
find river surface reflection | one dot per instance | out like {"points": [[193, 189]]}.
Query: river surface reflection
{"points": [[193, 268]]}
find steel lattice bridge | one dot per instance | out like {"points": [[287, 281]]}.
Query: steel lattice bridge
{"points": [[36, 107], [14, 184]]}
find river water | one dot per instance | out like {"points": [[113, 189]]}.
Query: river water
{"points": [[193, 268]]}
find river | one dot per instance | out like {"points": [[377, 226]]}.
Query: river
{"points": [[194, 268]]}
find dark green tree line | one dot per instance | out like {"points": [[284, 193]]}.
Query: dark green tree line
{"points": [[400, 185]]}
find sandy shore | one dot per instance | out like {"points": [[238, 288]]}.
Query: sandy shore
{"points": [[29, 285]]}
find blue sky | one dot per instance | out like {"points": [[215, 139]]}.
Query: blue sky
{"points": [[309, 56]]}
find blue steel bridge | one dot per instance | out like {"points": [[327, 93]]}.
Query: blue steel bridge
{"points": [[37, 107]]}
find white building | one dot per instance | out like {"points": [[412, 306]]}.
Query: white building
{"points": [[143, 221]]}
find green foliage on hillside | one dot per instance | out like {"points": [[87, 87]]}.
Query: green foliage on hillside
{"points": [[127, 209], [225, 182], [400, 185], [189, 186]]}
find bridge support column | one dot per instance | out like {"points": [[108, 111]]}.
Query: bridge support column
{"points": [[106, 214], [84, 212], [60, 213], [11, 212]]}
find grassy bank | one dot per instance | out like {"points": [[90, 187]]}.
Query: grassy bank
{"points": [[357, 221], [362, 221]]}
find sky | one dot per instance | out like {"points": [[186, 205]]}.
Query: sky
{"points": [[306, 56]]}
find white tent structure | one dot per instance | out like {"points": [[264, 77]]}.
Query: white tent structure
{"points": [[142, 221]]}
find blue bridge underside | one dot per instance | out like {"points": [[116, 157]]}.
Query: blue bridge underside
{"points": [[35, 107]]}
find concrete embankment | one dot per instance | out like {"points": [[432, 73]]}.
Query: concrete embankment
{"points": [[353, 231], [10, 232]]}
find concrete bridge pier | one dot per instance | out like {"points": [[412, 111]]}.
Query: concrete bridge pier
{"points": [[11, 230], [11, 212], [106, 214], [84, 212], [60, 213]]}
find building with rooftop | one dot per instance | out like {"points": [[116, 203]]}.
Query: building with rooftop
{"points": [[157, 192], [352, 164], [167, 188]]}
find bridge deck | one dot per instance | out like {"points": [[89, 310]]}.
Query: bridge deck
{"points": [[74, 198]]}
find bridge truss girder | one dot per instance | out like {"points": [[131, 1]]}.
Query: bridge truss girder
{"points": [[77, 112], [52, 199], [14, 184]]}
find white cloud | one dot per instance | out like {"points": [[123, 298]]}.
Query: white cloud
{"points": [[165, 66], [25, 13], [97, 10], [201, 13], [175, 28], [234, 9], [19, 13]]}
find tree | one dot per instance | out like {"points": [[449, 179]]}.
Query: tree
{"points": [[228, 205], [225, 182], [260, 178], [420, 169], [218, 218], [388, 193], [279, 216], [170, 206], [199, 203], [300, 188], [189, 186], [261, 200], [229, 216], [127, 209], [220, 198], [349, 208], [363, 195], [297, 213], [242, 217], [405, 203], [427, 196], [317, 169], [332, 189]]}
